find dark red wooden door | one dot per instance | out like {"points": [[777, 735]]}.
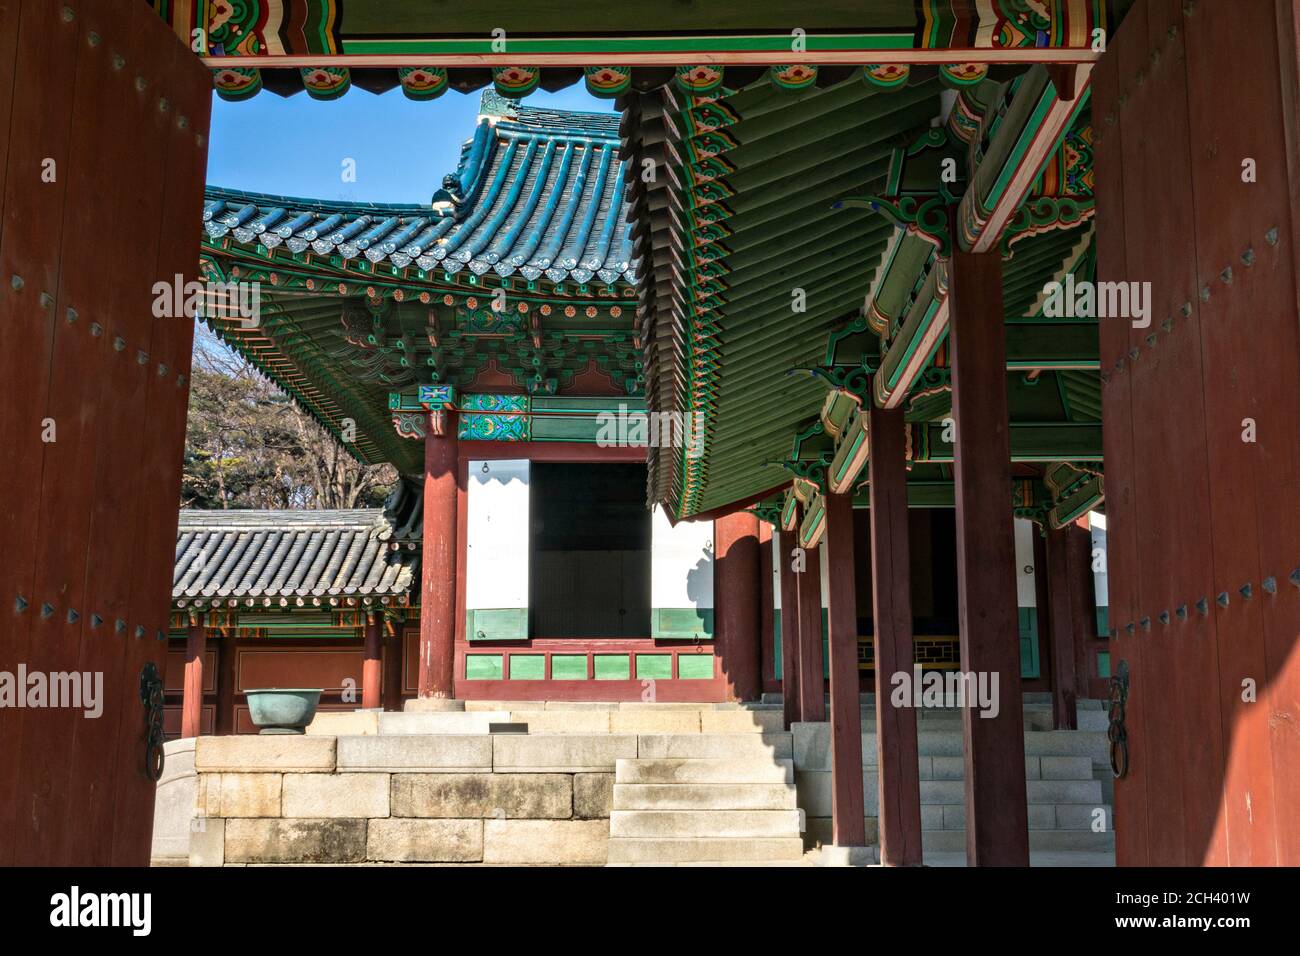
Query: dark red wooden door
{"points": [[103, 145], [1198, 167]]}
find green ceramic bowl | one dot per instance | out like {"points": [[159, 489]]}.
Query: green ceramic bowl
{"points": [[279, 710]]}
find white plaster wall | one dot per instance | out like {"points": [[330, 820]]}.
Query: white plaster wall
{"points": [[497, 545]]}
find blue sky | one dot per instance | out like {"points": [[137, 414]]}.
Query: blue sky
{"points": [[296, 146]]}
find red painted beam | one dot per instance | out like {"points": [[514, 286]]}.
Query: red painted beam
{"points": [[812, 682], [897, 756], [787, 542], [736, 593], [192, 690], [438, 558], [1061, 625], [997, 826], [372, 663], [847, 810]]}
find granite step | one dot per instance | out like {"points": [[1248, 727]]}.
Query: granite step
{"points": [[663, 852], [715, 823], [725, 770], [705, 796]]}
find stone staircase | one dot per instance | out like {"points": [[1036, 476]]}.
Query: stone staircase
{"points": [[740, 809], [687, 784], [1067, 778]]}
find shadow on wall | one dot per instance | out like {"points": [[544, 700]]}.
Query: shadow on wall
{"points": [[699, 581]]}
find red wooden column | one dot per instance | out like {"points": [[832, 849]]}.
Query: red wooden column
{"points": [[847, 810], [812, 683], [897, 758], [372, 662], [766, 610], [438, 558], [227, 683], [997, 827], [394, 654], [786, 541], [735, 594], [192, 695], [1083, 602], [1061, 625]]}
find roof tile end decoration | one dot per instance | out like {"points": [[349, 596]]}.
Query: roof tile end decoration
{"points": [[538, 193]]}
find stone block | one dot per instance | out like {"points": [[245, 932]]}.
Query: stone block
{"points": [[680, 824], [559, 753], [412, 754], [704, 796], [707, 770], [713, 746], [424, 841], [546, 842], [814, 787], [473, 722], [654, 721], [295, 841], [1080, 816], [563, 721], [207, 843], [506, 796], [174, 805], [755, 850], [574, 705], [338, 723], [741, 721], [331, 795], [1066, 768], [240, 794], [271, 753], [479, 706], [593, 795], [432, 705]]}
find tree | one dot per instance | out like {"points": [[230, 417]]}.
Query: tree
{"points": [[248, 445]]}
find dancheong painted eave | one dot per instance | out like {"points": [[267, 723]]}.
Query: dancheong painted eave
{"points": [[538, 195]]}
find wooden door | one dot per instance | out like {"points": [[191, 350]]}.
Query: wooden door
{"points": [[103, 142]]}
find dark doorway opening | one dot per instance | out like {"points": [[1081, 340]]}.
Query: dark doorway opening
{"points": [[590, 567]]}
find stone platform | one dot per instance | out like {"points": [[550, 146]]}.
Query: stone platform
{"points": [[547, 783]]}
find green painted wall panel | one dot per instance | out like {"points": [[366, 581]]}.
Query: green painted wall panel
{"points": [[654, 666], [497, 624], [695, 666], [528, 667], [1029, 660], [568, 667], [681, 623], [613, 666], [484, 666]]}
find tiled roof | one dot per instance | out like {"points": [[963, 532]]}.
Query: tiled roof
{"points": [[273, 554], [537, 193]]}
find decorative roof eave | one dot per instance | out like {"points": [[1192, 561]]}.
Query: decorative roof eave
{"points": [[288, 45]]}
